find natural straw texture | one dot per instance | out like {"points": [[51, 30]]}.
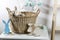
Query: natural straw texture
{"points": [[19, 23]]}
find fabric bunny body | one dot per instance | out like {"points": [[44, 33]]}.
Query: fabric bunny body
{"points": [[7, 30]]}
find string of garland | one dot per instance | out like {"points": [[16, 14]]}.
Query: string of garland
{"points": [[31, 3]]}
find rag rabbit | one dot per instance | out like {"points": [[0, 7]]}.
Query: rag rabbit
{"points": [[35, 30], [7, 30]]}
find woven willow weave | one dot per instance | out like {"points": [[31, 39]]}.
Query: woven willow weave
{"points": [[19, 23]]}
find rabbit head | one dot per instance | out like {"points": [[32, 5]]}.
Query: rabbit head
{"points": [[11, 12]]}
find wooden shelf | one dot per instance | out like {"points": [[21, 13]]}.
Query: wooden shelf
{"points": [[57, 28]]}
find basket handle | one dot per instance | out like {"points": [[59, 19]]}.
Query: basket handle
{"points": [[38, 11]]}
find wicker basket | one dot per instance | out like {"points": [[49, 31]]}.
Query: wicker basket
{"points": [[19, 23]]}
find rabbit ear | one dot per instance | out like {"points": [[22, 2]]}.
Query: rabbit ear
{"points": [[15, 8], [38, 11], [3, 21], [8, 10], [8, 21]]}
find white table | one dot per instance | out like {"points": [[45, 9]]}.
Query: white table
{"points": [[43, 36]]}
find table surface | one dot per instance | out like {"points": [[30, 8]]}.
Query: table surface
{"points": [[17, 36], [44, 35]]}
